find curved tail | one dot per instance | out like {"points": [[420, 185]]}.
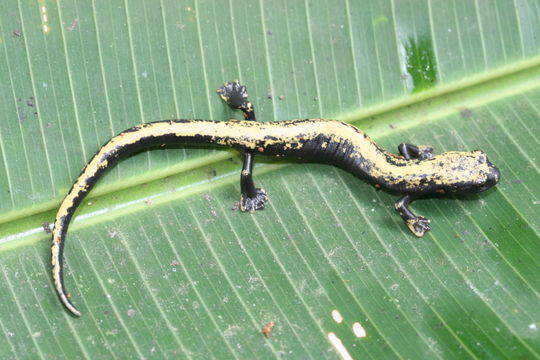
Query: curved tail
{"points": [[76, 194], [122, 144]]}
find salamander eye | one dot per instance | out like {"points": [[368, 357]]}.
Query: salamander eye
{"points": [[482, 158]]}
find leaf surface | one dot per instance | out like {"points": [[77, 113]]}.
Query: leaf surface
{"points": [[158, 261]]}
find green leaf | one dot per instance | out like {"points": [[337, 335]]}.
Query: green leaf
{"points": [[158, 261]]}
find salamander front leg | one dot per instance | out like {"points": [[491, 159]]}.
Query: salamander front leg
{"points": [[419, 225], [236, 96], [421, 152]]}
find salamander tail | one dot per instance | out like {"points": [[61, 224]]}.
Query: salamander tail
{"points": [[57, 250]]}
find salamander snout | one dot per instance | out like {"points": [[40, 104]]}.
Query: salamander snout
{"points": [[492, 178], [491, 174]]}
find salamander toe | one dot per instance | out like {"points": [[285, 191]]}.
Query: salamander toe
{"points": [[419, 226]]}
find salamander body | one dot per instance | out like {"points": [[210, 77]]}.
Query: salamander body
{"points": [[415, 172]]}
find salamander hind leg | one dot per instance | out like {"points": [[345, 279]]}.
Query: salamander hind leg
{"points": [[251, 198], [421, 152], [418, 225]]}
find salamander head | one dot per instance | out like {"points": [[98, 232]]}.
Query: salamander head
{"points": [[465, 172]]}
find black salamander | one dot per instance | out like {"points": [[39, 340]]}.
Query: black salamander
{"points": [[414, 173]]}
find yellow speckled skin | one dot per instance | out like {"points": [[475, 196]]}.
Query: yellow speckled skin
{"points": [[327, 141]]}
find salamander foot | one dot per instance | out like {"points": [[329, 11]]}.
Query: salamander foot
{"points": [[419, 226], [234, 94], [421, 152], [254, 203]]}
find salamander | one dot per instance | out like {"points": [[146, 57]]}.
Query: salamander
{"points": [[414, 173]]}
